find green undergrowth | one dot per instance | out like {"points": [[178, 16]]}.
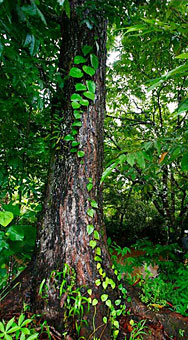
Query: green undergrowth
{"points": [[24, 328], [167, 288]]}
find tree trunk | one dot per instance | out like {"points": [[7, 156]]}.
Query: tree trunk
{"points": [[62, 233]]}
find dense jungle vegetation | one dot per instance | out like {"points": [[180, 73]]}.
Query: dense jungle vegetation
{"points": [[94, 147]]}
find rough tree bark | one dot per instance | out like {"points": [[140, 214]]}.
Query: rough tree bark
{"points": [[62, 233]]}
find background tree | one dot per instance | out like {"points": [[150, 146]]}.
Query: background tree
{"points": [[145, 141]]}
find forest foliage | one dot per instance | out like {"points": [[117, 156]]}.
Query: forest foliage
{"points": [[146, 133]]}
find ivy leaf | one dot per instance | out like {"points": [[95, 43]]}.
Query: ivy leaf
{"points": [[76, 97], [76, 72], [77, 123], [96, 234], [90, 212], [97, 259], [116, 323], [105, 284], [80, 87], [79, 60], [98, 266], [6, 217], [94, 61], [75, 143], [75, 105], [86, 49], [118, 302], [84, 102], [94, 302], [92, 244], [98, 282], [109, 303], [104, 297], [90, 229], [112, 283], [98, 251], [89, 187], [91, 86], [74, 132], [80, 154], [105, 320], [89, 291], [94, 204], [68, 138], [89, 70], [77, 114], [73, 150], [89, 95]]}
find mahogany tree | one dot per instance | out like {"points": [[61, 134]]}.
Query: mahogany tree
{"points": [[70, 230], [70, 267]]}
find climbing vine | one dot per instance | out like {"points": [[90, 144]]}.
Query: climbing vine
{"points": [[84, 93], [87, 90]]}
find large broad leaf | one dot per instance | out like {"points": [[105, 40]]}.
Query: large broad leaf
{"points": [[182, 107], [3, 245], [6, 217], [184, 162], [177, 70], [109, 170], [180, 70], [182, 56], [140, 159], [131, 158], [29, 9], [40, 14], [15, 233], [13, 208]]}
